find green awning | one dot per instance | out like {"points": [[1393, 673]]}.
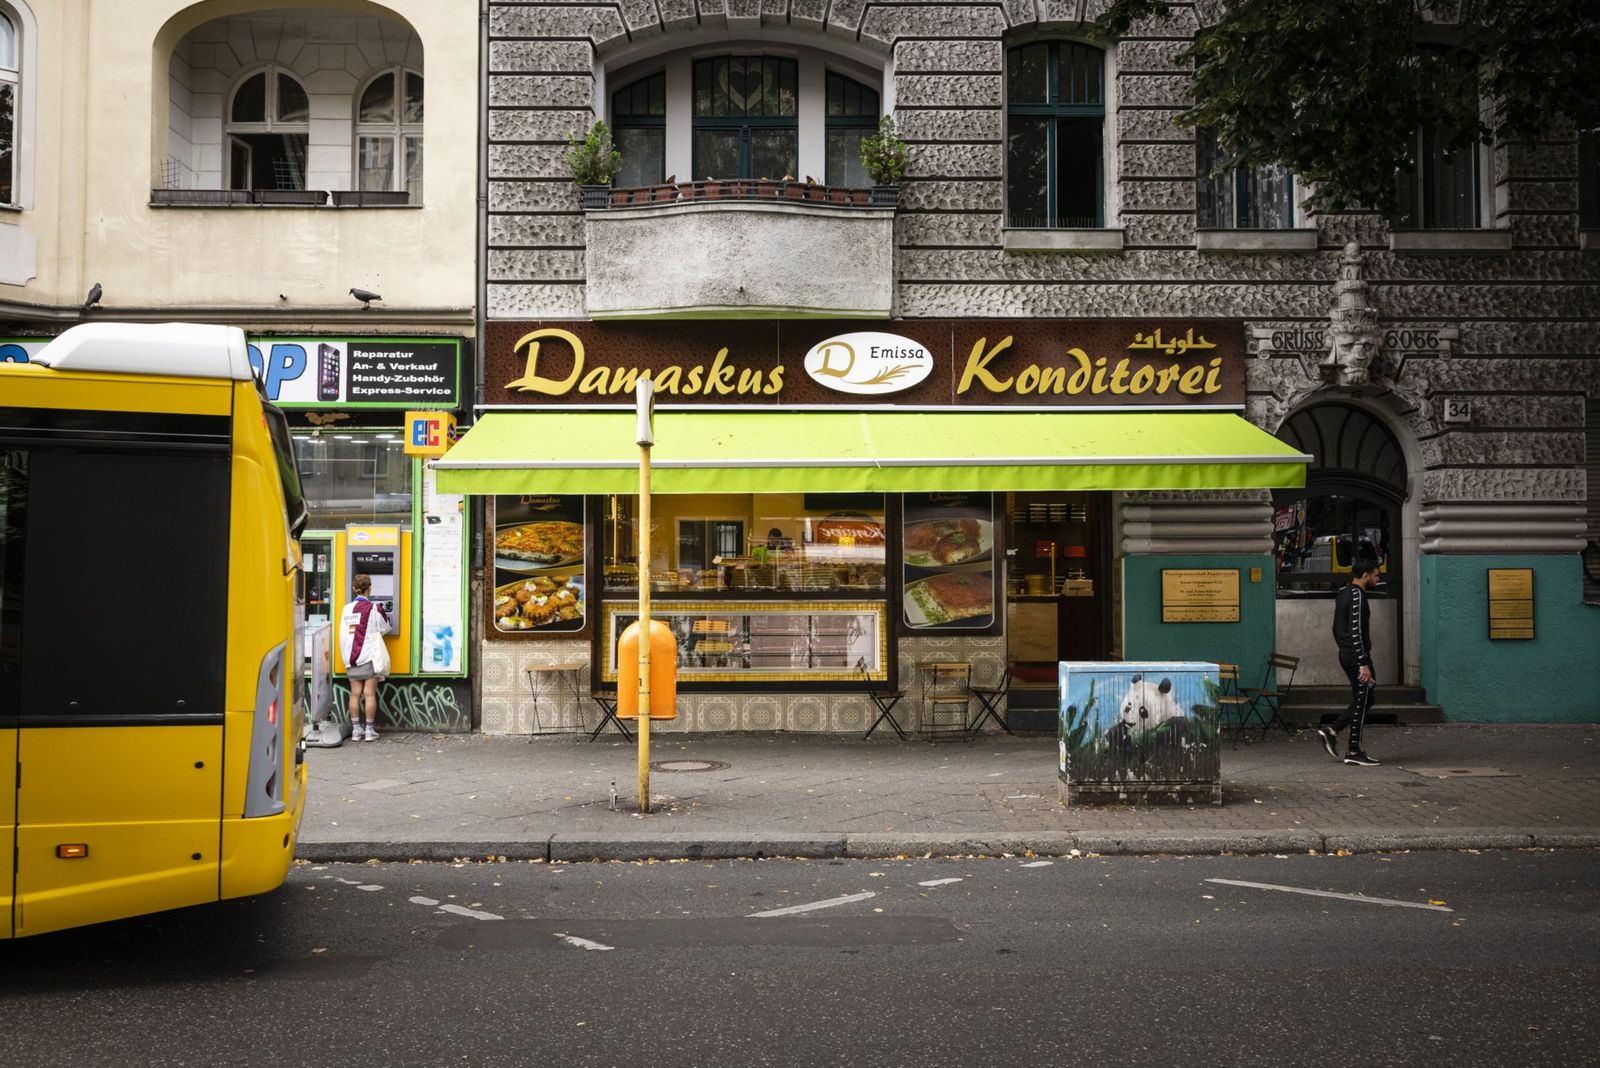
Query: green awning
{"points": [[874, 451]]}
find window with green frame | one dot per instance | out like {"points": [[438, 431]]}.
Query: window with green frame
{"points": [[1442, 192], [746, 111], [851, 116], [1243, 198], [639, 130], [1055, 128]]}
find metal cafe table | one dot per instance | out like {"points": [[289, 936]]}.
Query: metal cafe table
{"points": [[558, 681]]}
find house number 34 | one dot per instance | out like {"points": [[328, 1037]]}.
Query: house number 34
{"points": [[1457, 410]]}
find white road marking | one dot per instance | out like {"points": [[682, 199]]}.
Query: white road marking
{"points": [[1037, 864], [583, 943], [938, 882], [430, 902], [1391, 902], [369, 886], [462, 910], [828, 904]]}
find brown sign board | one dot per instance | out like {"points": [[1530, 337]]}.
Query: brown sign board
{"points": [[961, 363]]}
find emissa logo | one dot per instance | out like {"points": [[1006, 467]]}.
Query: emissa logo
{"points": [[869, 363]]}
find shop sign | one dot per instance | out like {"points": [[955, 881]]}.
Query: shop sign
{"points": [[924, 363], [868, 364], [429, 433], [374, 372]]}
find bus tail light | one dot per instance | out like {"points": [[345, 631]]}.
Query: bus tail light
{"points": [[264, 786]]}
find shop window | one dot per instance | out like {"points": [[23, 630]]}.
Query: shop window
{"points": [[771, 542], [1589, 170], [355, 478], [1055, 119], [639, 129], [10, 90], [1318, 539], [1442, 190], [389, 134], [1244, 198], [746, 111], [268, 130], [852, 116]]}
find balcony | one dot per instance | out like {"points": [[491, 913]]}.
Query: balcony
{"points": [[740, 249]]}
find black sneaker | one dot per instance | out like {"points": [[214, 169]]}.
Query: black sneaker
{"points": [[1360, 760], [1329, 740]]}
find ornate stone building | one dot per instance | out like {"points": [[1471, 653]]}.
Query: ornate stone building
{"points": [[1439, 368]]}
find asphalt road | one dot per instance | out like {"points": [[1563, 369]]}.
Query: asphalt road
{"points": [[1476, 959]]}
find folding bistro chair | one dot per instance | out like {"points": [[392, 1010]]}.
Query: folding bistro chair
{"points": [[1233, 707], [883, 700], [946, 696], [607, 700], [993, 700], [1267, 699]]}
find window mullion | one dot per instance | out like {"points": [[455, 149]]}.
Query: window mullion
{"points": [[1051, 212]]}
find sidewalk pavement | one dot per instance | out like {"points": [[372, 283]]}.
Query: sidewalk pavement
{"points": [[435, 797]]}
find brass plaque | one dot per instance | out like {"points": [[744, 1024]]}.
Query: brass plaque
{"points": [[1511, 603], [1200, 595]]}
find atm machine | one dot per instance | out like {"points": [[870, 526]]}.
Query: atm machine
{"points": [[383, 554]]}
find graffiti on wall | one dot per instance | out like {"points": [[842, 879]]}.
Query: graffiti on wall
{"points": [[435, 706]]}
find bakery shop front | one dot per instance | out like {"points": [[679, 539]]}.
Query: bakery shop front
{"points": [[838, 505]]}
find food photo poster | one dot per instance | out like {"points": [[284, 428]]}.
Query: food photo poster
{"points": [[949, 554], [539, 564]]}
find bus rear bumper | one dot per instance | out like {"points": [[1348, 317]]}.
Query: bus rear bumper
{"points": [[257, 852]]}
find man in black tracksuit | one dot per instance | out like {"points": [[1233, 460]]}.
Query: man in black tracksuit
{"points": [[1352, 630]]}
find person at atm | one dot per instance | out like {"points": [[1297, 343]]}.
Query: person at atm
{"points": [[362, 626]]}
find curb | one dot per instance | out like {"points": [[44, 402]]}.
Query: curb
{"points": [[756, 846]]}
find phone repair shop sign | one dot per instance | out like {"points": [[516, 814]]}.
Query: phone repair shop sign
{"points": [[370, 372]]}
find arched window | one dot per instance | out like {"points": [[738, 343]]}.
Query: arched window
{"points": [[389, 133], [1441, 191], [1055, 119], [852, 114], [10, 91], [746, 111], [269, 124], [639, 128]]}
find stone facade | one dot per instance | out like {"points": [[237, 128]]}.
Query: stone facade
{"points": [[1525, 347]]}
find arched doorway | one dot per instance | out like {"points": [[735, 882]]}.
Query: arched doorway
{"points": [[1352, 509]]}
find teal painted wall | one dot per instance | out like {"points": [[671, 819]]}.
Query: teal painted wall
{"points": [[1246, 643], [1553, 678]]}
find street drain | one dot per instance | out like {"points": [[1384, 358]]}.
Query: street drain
{"points": [[689, 765]]}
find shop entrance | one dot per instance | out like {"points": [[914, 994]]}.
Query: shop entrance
{"points": [[1058, 592]]}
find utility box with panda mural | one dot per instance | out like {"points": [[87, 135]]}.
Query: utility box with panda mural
{"points": [[1139, 732]]}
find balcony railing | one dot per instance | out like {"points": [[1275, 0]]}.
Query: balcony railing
{"points": [[311, 198], [600, 198]]}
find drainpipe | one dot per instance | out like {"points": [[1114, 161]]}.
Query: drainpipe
{"points": [[478, 512]]}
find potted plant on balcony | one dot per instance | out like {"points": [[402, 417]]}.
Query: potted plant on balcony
{"points": [[593, 163], [885, 157]]}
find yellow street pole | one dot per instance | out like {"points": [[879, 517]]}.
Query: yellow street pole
{"points": [[644, 403]]}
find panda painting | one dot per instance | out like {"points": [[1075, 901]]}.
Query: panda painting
{"points": [[1151, 717]]}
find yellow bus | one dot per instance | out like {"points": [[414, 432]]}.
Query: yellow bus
{"points": [[150, 682]]}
